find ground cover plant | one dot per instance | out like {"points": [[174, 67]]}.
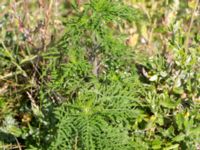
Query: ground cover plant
{"points": [[100, 74]]}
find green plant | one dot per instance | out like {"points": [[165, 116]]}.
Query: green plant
{"points": [[114, 78], [95, 115], [98, 118]]}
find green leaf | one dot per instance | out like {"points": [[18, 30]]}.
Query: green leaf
{"points": [[156, 144], [179, 137], [15, 131], [169, 103], [160, 119], [28, 59], [174, 147], [180, 120], [195, 131], [163, 73], [178, 90]]}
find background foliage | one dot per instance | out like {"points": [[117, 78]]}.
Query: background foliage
{"points": [[99, 74]]}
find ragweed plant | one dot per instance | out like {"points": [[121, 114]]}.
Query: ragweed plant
{"points": [[93, 62]]}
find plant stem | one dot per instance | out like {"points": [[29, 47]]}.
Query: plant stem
{"points": [[190, 27]]}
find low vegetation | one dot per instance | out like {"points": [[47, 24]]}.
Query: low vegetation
{"points": [[100, 74]]}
